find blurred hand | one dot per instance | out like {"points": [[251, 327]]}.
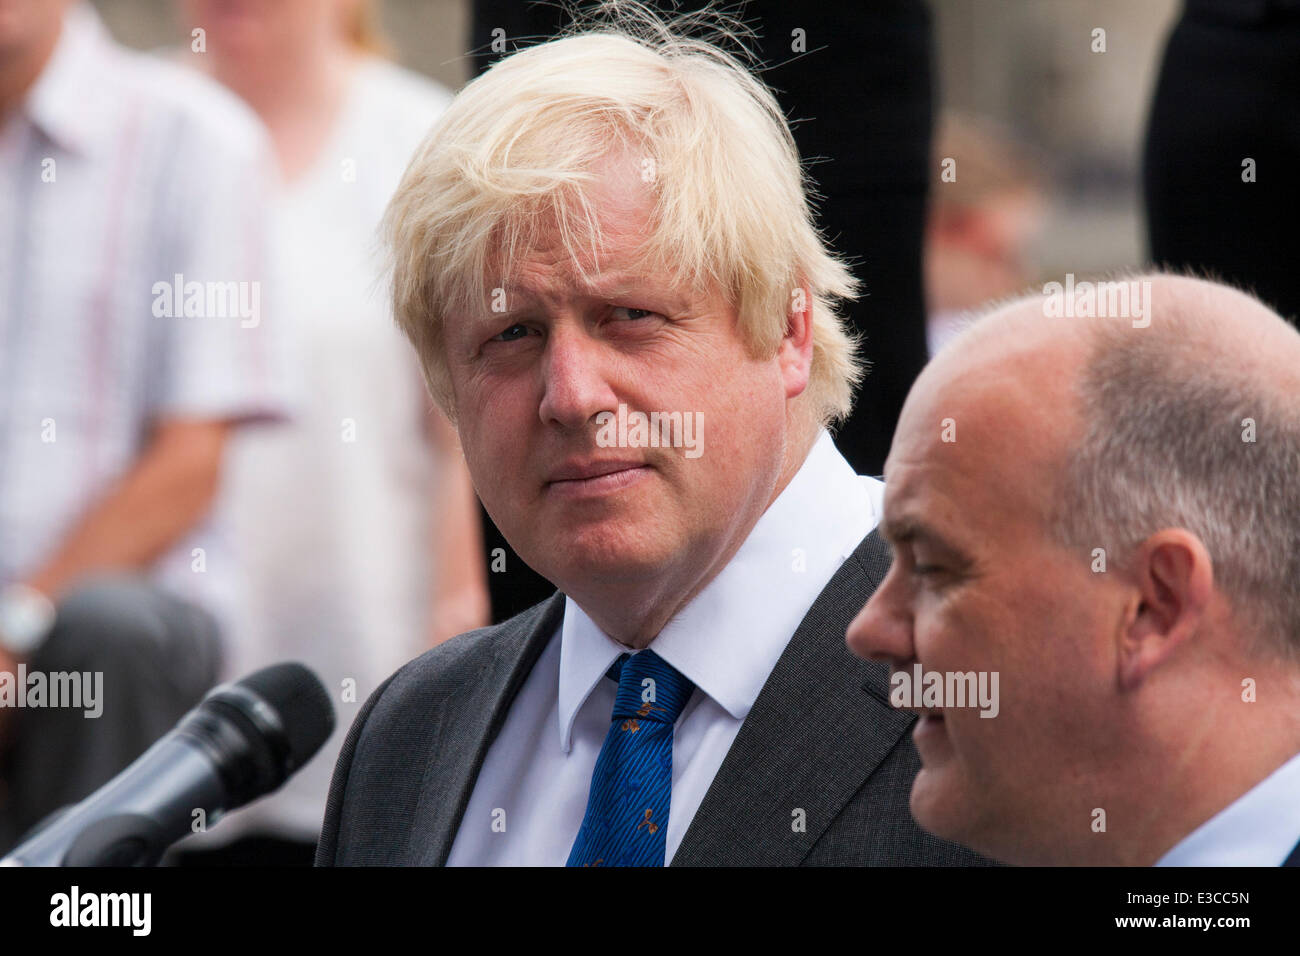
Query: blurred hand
{"points": [[8, 663]]}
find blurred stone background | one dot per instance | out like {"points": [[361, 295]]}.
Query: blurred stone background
{"points": [[1026, 63], [427, 35]]}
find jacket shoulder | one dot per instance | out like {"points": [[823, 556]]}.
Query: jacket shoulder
{"points": [[380, 773]]}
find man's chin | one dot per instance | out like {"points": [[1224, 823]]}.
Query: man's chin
{"points": [[937, 806], [611, 553], [942, 806], [612, 564]]}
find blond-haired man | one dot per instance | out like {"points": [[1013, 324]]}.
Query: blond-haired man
{"points": [[605, 259]]}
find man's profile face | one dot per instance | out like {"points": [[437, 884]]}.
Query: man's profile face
{"points": [[977, 585], [528, 386]]}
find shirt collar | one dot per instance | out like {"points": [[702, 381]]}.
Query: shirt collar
{"points": [[1259, 829], [728, 639], [68, 101]]}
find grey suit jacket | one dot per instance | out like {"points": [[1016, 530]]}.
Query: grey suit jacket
{"points": [[821, 738]]}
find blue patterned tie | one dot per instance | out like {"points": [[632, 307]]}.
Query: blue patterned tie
{"points": [[627, 810]]}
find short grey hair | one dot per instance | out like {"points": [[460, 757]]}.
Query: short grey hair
{"points": [[1163, 446]]}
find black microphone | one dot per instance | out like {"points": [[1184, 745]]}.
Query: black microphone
{"points": [[241, 742]]}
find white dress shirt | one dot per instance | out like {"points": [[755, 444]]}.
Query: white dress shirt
{"points": [[117, 172], [727, 641], [1260, 828]]}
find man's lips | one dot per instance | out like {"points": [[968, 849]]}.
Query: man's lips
{"points": [[583, 479], [930, 726], [578, 470]]}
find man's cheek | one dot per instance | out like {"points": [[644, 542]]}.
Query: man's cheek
{"points": [[977, 747], [929, 633]]}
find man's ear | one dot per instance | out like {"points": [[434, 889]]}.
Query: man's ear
{"points": [[1175, 580], [797, 347]]}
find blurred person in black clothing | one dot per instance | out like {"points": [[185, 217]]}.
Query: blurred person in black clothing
{"points": [[1223, 147]]}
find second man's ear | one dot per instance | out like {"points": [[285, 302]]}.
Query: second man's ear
{"points": [[1175, 580]]}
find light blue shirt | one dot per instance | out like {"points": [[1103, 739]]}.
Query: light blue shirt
{"points": [[1260, 828]]}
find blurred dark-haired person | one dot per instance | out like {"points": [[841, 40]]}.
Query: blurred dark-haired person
{"points": [[602, 231], [134, 337], [1101, 506], [355, 523]]}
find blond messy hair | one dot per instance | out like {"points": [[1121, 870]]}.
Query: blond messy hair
{"points": [[517, 147]]}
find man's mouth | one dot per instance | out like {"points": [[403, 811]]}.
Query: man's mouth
{"points": [[578, 469], [580, 478], [930, 725]]}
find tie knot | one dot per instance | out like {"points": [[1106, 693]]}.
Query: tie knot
{"points": [[649, 688]]}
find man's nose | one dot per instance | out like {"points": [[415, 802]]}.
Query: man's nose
{"points": [[882, 630], [575, 385]]}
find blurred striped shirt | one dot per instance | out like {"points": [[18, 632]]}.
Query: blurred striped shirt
{"points": [[122, 180]]}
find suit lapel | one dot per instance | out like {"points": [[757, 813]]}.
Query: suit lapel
{"points": [[820, 726], [468, 722], [1294, 858]]}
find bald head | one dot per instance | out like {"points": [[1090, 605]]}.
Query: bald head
{"points": [[1101, 507], [1193, 320], [1180, 412]]}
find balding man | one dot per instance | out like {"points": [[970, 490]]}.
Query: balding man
{"points": [[1104, 513]]}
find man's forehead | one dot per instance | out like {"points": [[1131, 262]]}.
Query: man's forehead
{"points": [[915, 506], [532, 285], [617, 199], [604, 249], [961, 511], [566, 278], [1009, 388], [975, 452], [558, 261]]}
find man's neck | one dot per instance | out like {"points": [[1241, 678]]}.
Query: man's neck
{"points": [[1222, 754], [634, 612], [21, 68]]}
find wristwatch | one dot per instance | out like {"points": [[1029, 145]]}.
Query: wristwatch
{"points": [[26, 618]]}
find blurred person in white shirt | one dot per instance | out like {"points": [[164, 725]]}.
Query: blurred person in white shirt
{"points": [[357, 525], [134, 339]]}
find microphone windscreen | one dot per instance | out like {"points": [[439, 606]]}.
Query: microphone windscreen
{"points": [[302, 702]]}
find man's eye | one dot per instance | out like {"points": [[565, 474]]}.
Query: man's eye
{"points": [[921, 570], [509, 334], [633, 313]]}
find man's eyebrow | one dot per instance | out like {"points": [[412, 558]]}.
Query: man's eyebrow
{"points": [[609, 288], [638, 287], [600, 289], [908, 528]]}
